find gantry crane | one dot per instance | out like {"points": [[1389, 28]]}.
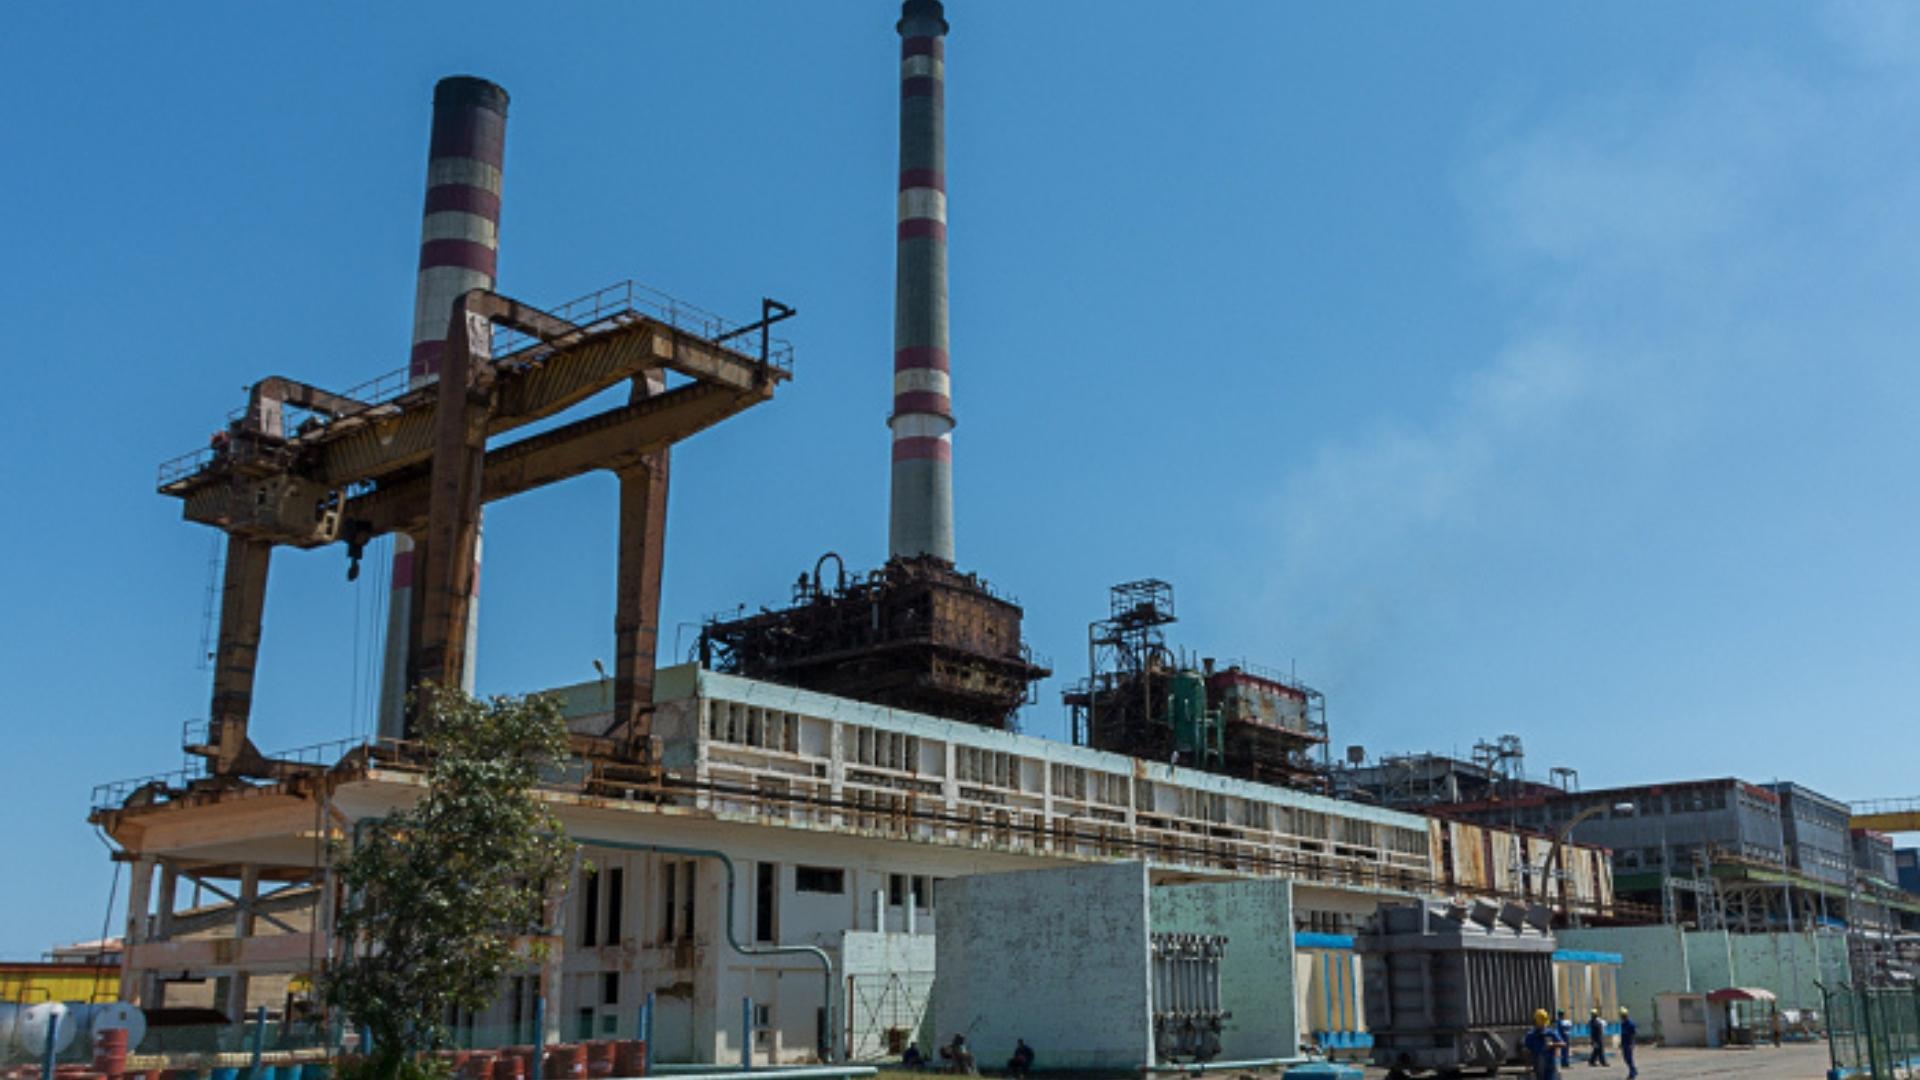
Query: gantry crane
{"points": [[305, 468]]}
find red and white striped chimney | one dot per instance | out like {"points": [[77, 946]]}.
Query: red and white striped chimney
{"points": [[921, 521], [459, 246]]}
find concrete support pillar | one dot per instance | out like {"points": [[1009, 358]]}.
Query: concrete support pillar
{"points": [[243, 923], [326, 910], [153, 992], [169, 900], [139, 886], [553, 965]]}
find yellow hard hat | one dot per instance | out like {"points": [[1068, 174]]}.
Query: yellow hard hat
{"points": [[1596, 1012], [1540, 1018], [1623, 1010]]}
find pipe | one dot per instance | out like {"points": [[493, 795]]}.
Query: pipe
{"points": [[795, 1071], [539, 1036], [746, 1034], [733, 940], [53, 1045], [1227, 1066], [646, 1032], [259, 1040]]}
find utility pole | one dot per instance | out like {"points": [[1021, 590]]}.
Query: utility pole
{"points": [[1786, 886]]}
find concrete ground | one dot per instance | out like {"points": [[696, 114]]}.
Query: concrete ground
{"points": [[1793, 1062], [1806, 1061]]}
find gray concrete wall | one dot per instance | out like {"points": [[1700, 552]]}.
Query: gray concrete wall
{"points": [[1789, 964], [1709, 959], [1653, 961], [1661, 959], [1257, 972], [1056, 957]]}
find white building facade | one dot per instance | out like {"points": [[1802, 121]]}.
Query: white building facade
{"points": [[839, 820]]}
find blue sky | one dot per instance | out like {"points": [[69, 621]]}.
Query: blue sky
{"points": [[1504, 367]]}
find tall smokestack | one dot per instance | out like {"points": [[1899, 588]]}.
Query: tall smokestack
{"points": [[922, 421], [459, 245]]}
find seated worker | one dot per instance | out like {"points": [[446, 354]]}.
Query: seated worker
{"points": [[1543, 1045], [959, 1058], [1021, 1063], [912, 1059]]}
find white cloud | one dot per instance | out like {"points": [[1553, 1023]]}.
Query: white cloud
{"points": [[1710, 283]]}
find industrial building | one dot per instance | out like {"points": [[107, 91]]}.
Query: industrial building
{"points": [[1722, 853], [775, 823], [840, 820], [1144, 699], [1497, 770]]}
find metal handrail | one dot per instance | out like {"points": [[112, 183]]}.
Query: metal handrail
{"points": [[1906, 805], [606, 307], [114, 793]]}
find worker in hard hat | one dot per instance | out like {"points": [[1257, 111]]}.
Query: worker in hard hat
{"points": [[1563, 1027], [1544, 1046], [1627, 1033], [1597, 1034]]}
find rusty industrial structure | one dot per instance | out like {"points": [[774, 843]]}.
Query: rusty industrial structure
{"points": [[304, 468], [1143, 699], [915, 634]]}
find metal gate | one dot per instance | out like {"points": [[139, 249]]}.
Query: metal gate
{"points": [[1873, 1033], [884, 1013]]}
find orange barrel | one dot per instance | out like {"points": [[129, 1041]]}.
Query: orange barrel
{"points": [[110, 1051], [630, 1058]]}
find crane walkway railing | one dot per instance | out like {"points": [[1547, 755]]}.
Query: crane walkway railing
{"points": [[610, 308]]}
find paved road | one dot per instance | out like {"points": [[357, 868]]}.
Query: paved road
{"points": [[1803, 1062]]}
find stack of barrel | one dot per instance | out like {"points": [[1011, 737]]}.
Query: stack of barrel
{"points": [[593, 1059]]}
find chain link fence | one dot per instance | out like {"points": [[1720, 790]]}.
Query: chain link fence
{"points": [[1873, 1032]]}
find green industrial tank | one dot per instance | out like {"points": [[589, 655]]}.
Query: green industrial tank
{"points": [[1196, 732]]}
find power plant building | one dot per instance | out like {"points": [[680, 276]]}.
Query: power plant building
{"points": [[840, 819], [772, 824]]}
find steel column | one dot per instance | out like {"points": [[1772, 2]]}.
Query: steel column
{"points": [[459, 252], [243, 600], [636, 621], [448, 575]]}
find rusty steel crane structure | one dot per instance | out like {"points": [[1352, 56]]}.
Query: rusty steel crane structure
{"points": [[304, 468]]}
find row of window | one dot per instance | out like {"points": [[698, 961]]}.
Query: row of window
{"points": [[902, 889], [751, 725], [832, 881], [1560, 811], [990, 773], [601, 899], [602, 893]]}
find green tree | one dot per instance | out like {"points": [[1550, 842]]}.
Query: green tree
{"points": [[445, 898]]}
